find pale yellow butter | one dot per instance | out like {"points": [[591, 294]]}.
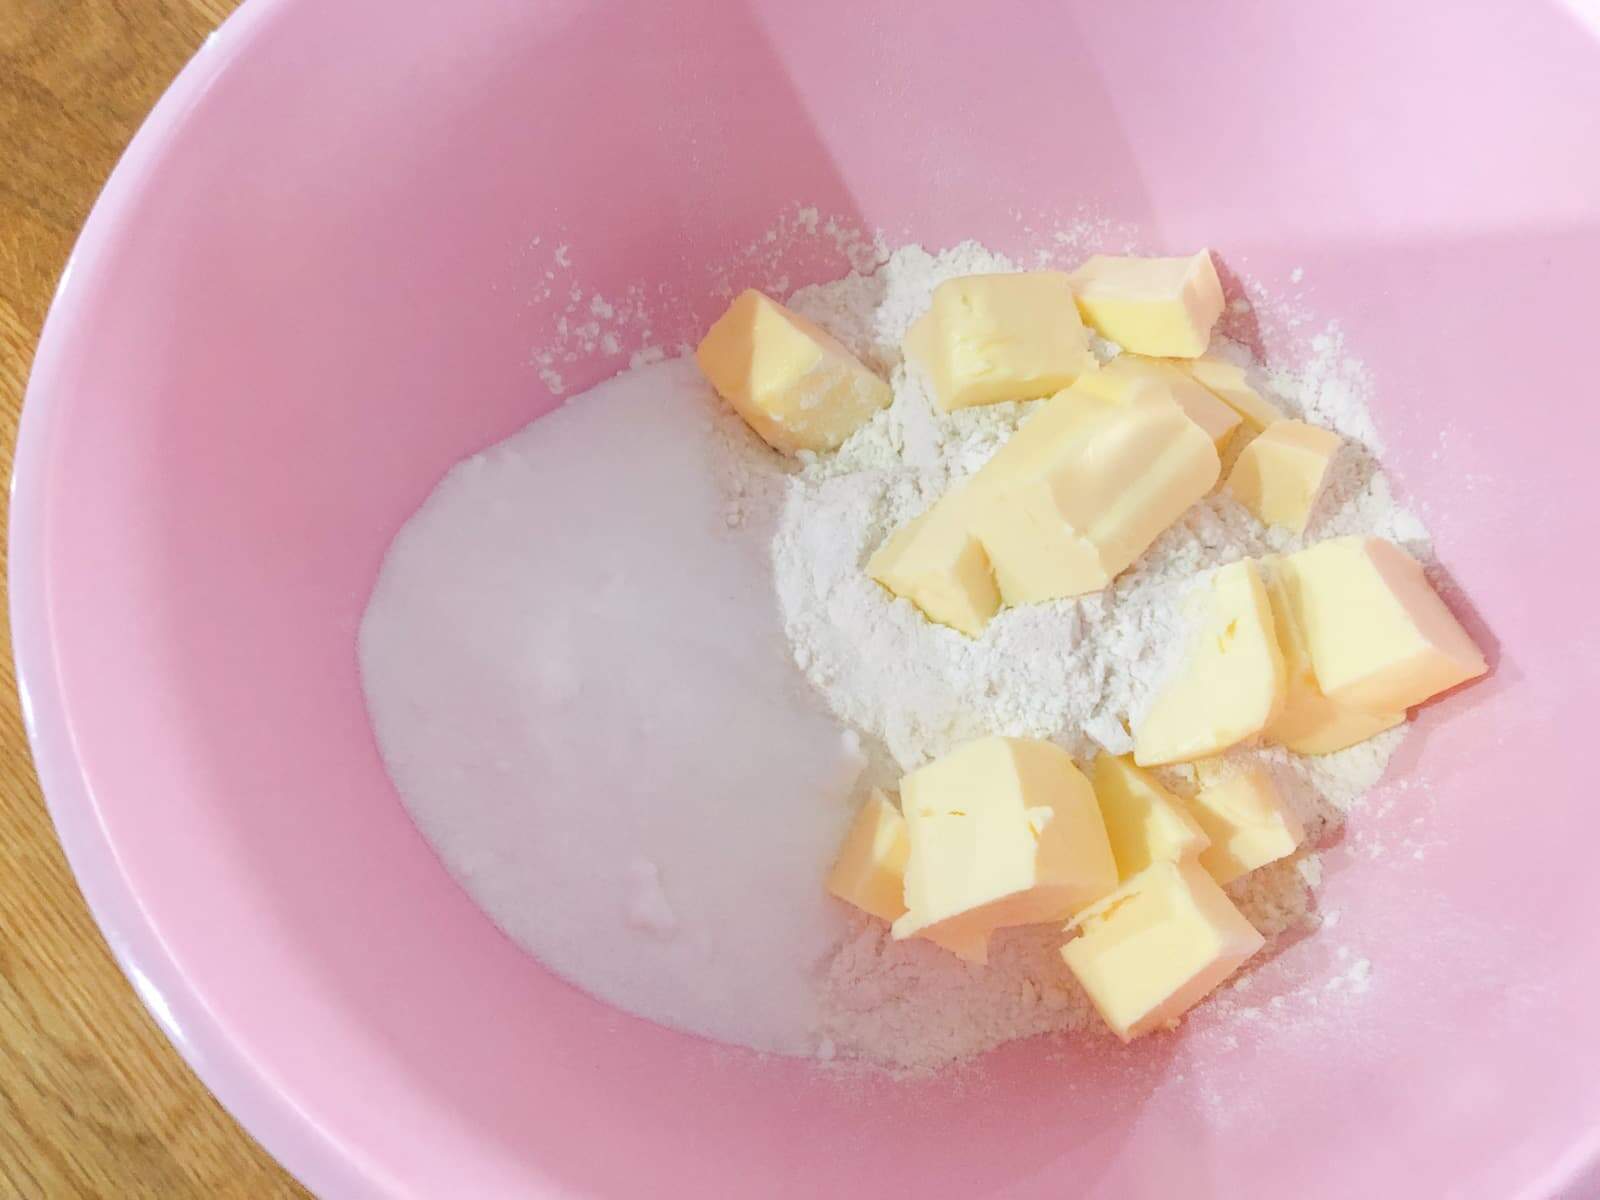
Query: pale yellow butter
{"points": [[989, 338], [1068, 511], [1164, 307], [1156, 946], [936, 560], [788, 377], [1078, 493], [1004, 831], [870, 874], [1123, 374], [1379, 637], [1246, 822], [937, 563], [1280, 474], [1230, 685], [1145, 822], [1230, 384], [1310, 723], [870, 871]]}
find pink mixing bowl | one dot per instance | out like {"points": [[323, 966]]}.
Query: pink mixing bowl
{"points": [[312, 284]]}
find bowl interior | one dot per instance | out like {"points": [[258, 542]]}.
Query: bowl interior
{"points": [[324, 273]]}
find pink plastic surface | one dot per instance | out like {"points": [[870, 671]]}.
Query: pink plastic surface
{"points": [[310, 287]]}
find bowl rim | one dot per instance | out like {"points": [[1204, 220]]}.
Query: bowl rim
{"points": [[244, 1086]]}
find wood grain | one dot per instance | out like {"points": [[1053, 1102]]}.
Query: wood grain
{"points": [[93, 1101]]}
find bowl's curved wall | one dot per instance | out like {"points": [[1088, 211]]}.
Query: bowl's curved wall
{"points": [[312, 286]]}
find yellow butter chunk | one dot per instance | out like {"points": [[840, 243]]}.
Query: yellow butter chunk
{"points": [[788, 377], [1157, 306], [1247, 823], [989, 338], [1230, 384], [1123, 374], [1152, 949], [936, 560], [1004, 831], [870, 874], [871, 868], [1230, 684], [1279, 475], [1310, 723], [1380, 638], [1064, 515], [938, 564], [1145, 822]]}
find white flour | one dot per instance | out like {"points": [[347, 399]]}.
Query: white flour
{"points": [[583, 681], [1072, 670], [1079, 672]]}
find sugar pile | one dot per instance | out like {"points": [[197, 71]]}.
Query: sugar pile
{"points": [[580, 686], [605, 699]]}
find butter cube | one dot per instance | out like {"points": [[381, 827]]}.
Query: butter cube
{"points": [[1231, 683], [1380, 638], [1163, 307], [1078, 493], [1247, 822], [1309, 722], [938, 564], [870, 874], [989, 338], [1064, 515], [1229, 383], [871, 869], [1004, 831], [1145, 822], [936, 561], [1152, 949], [1280, 474], [790, 379], [1122, 374]]}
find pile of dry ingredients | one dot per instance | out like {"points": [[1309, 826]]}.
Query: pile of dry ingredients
{"points": [[632, 709], [1079, 671]]}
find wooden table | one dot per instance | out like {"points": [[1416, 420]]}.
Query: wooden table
{"points": [[93, 1101]]}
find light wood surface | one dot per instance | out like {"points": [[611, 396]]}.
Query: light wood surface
{"points": [[93, 1101]]}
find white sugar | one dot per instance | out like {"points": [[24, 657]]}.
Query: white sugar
{"points": [[580, 685]]}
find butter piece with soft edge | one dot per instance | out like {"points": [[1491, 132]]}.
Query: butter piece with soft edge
{"points": [[1280, 475], [991, 338], [1125, 372], [936, 562], [1229, 383], [1230, 684], [1155, 947], [1072, 499], [790, 379], [870, 871], [1004, 831], [1246, 822], [1379, 637], [1145, 822], [871, 868], [1309, 723], [1065, 513], [1164, 307]]}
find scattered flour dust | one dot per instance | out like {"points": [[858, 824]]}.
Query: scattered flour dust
{"points": [[633, 710]]}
